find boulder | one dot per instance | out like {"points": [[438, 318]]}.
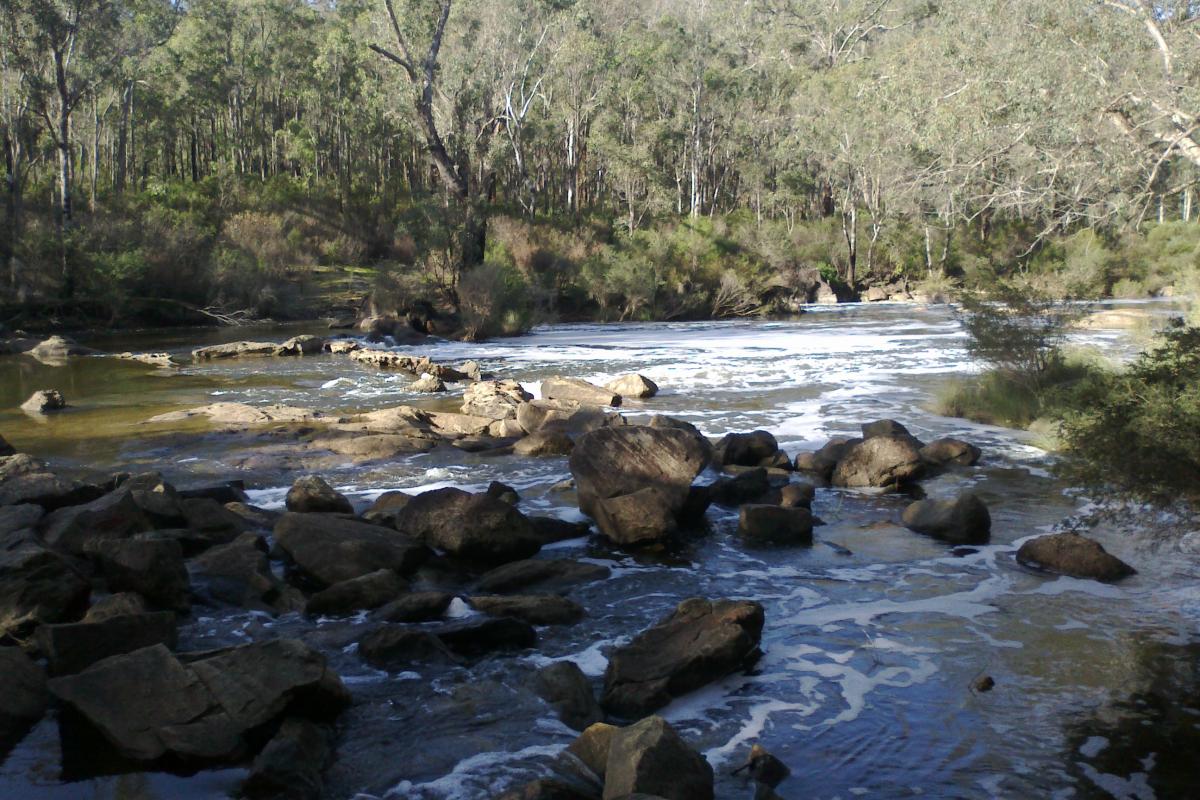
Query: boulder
{"points": [[542, 574], [941, 452], [473, 638], [651, 758], [764, 769], [565, 416], [312, 494], [290, 765], [19, 518], [38, 586], [636, 386], [395, 647], [23, 700], [239, 574], [364, 592], [644, 517], [823, 461], [964, 520], [116, 605], [876, 294], [536, 609], [220, 493], [503, 492], [305, 345], [149, 704], [1073, 555], [883, 427], [428, 384], [564, 686], [414, 607], [611, 462], [151, 567], [746, 449], [141, 504], [701, 641], [56, 350], [553, 529], [797, 495], [209, 523], [494, 399], [74, 646], [775, 524], [44, 401], [663, 422], [745, 488], [234, 350], [328, 550], [579, 391], [390, 502], [474, 527], [591, 748], [885, 461], [545, 443]]}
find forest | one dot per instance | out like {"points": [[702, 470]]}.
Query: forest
{"points": [[505, 161]]}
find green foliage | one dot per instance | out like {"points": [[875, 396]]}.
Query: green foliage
{"points": [[494, 301]]}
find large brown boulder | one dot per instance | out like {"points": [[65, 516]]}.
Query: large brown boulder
{"points": [[475, 527], [23, 699], [964, 520], [642, 517], [239, 574], [701, 641], [884, 461], [311, 493], [1073, 555], [579, 391], [612, 462], [746, 449], [141, 504], [545, 443], [149, 704], [494, 399], [234, 350], [329, 549], [564, 416], [650, 758]]}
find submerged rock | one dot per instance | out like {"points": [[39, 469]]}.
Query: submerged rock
{"points": [[964, 520], [44, 401], [650, 758], [1073, 555], [234, 350], [494, 399], [312, 494], [746, 449], [698, 643], [394, 647], [473, 638]]}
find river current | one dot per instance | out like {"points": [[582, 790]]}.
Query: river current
{"points": [[873, 636]]}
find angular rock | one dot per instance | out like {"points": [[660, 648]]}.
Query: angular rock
{"points": [[305, 345], [414, 607], [473, 638], [74, 646], [745, 449], [141, 504], [393, 647], [116, 605], [941, 452], [390, 502], [663, 422], [152, 568], [823, 461], [503, 492], [342, 346], [565, 416], [882, 461], [234, 350], [44, 401], [579, 391], [775, 524], [17, 518], [964, 520], [494, 399], [643, 517], [428, 384], [1073, 555], [311, 494], [290, 765], [545, 609], [638, 387], [651, 758], [611, 462], [701, 641], [797, 495], [545, 443], [364, 592], [547, 789], [592, 746], [38, 586], [745, 488], [239, 574], [883, 427], [469, 526], [23, 699], [564, 686], [329, 550], [542, 574], [220, 493]]}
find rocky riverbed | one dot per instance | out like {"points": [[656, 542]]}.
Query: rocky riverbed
{"points": [[595, 562]]}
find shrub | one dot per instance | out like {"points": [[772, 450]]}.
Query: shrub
{"points": [[494, 301]]}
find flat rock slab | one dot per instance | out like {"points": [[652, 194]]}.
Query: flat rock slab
{"points": [[534, 609], [330, 549], [558, 574]]}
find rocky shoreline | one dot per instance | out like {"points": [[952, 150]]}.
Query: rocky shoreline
{"points": [[96, 578]]}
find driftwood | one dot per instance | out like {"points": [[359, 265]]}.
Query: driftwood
{"points": [[221, 316]]}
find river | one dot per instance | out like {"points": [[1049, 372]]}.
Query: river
{"points": [[873, 635]]}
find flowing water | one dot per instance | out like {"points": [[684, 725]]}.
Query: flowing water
{"points": [[873, 635]]}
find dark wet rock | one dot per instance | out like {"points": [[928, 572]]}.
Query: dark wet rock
{"points": [[6, 449], [881, 461], [651, 758], [883, 427], [646, 516], [116, 605], [663, 422], [964, 520], [553, 529], [780, 461], [475, 527], [1073, 555], [396, 647], [984, 683], [502, 491], [701, 641], [414, 607], [745, 488], [141, 504], [775, 524], [312, 494], [564, 686], [43, 401], [545, 443], [149, 703], [390, 502], [494, 399], [541, 574], [547, 789], [209, 523], [234, 350], [941, 452], [797, 495], [23, 698], [152, 568], [472, 638], [764, 768], [17, 518], [591, 748], [24, 479], [328, 549], [364, 592], [220, 493], [74, 646], [254, 517], [38, 586], [304, 345], [638, 387], [290, 765], [536, 609], [745, 449], [612, 462], [823, 461], [239, 574], [579, 391]]}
